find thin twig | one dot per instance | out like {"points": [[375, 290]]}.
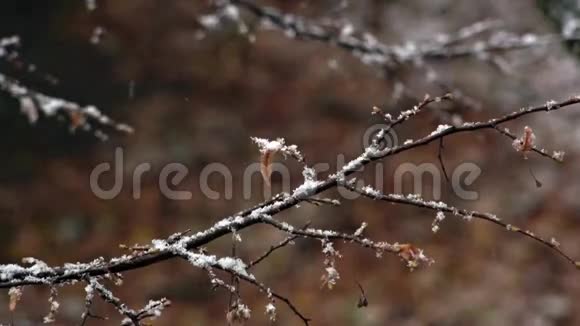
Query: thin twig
{"points": [[414, 200], [440, 158], [282, 244], [511, 136]]}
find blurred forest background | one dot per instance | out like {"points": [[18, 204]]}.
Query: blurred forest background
{"points": [[197, 99]]}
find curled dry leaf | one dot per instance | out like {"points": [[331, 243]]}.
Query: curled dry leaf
{"points": [[266, 165], [77, 119], [267, 148], [413, 256], [15, 294], [408, 251], [362, 300], [526, 142], [270, 147], [238, 314]]}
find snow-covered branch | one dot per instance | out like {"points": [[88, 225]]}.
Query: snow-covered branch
{"points": [[190, 246], [466, 42], [467, 215], [34, 104]]}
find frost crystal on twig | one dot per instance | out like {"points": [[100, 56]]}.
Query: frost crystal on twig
{"points": [[238, 314], [440, 129], [558, 156], [309, 185], [54, 305], [331, 277], [271, 312], [439, 217], [360, 230]]}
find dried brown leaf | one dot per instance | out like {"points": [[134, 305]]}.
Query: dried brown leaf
{"points": [[15, 294], [266, 165]]}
